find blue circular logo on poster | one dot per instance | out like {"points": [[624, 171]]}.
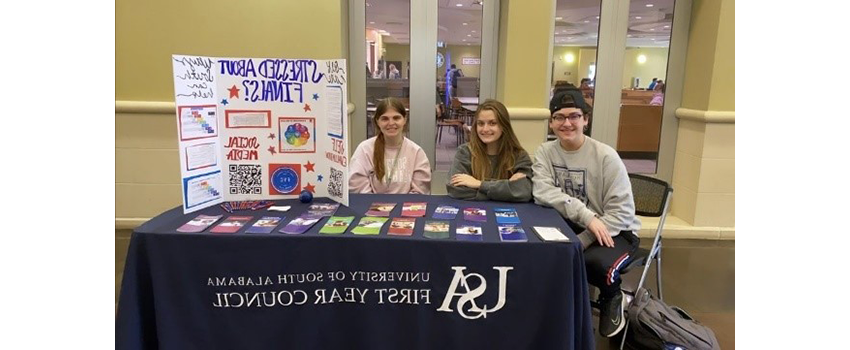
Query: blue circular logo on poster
{"points": [[284, 180]]}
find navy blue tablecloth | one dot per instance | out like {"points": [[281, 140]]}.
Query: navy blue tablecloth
{"points": [[312, 291]]}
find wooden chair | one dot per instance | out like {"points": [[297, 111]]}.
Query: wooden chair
{"points": [[458, 112], [455, 125]]}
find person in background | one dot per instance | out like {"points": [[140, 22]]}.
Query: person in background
{"points": [[586, 88], [492, 165], [658, 96], [394, 73], [587, 183], [659, 86], [652, 84], [389, 162], [454, 74], [379, 73]]}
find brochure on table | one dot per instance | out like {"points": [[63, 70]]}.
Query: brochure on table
{"points": [[253, 128]]}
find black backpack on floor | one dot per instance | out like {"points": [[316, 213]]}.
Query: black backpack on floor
{"points": [[655, 325]]}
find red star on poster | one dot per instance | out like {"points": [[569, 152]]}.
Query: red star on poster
{"points": [[309, 166], [234, 92], [271, 149], [310, 187], [271, 136], [307, 108]]}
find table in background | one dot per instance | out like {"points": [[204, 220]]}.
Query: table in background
{"points": [[171, 284], [468, 100]]}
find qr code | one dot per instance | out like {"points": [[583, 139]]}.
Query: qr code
{"points": [[335, 185], [246, 179]]}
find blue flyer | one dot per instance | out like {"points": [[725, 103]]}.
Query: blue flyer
{"points": [[446, 212], [506, 216]]}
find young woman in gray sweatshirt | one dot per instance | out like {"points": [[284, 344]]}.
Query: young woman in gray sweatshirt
{"points": [[492, 165], [586, 181]]}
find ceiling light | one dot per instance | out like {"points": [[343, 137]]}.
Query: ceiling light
{"points": [[597, 17], [586, 21], [652, 29], [368, 4], [559, 18], [464, 23], [638, 17], [371, 22], [649, 5], [459, 5], [641, 59], [473, 31], [666, 26], [463, 40], [469, 35], [652, 39]]}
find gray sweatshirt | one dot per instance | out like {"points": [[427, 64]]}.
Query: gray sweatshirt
{"points": [[497, 190], [585, 183]]}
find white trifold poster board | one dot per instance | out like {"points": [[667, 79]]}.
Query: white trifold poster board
{"points": [[255, 128]]}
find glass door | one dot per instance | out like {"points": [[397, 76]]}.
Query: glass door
{"points": [[411, 57], [640, 40]]}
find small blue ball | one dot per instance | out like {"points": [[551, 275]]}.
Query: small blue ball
{"points": [[306, 196]]}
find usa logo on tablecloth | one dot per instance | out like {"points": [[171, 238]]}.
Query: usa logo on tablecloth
{"points": [[462, 280]]}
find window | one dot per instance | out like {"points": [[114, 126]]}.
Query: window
{"points": [[644, 84], [438, 32], [574, 53], [458, 79], [387, 54]]}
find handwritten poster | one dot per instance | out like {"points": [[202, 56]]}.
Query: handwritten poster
{"points": [[257, 128]]}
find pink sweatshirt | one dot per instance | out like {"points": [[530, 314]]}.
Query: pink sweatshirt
{"points": [[412, 170]]}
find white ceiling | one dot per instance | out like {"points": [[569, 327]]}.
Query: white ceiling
{"points": [[648, 26], [578, 24]]}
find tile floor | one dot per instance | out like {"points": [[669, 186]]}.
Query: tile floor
{"points": [[446, 151]]}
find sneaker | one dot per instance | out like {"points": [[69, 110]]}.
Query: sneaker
{"points": [[612, 316]]}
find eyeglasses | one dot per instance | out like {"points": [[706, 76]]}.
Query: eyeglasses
{"points": [[560, 118]]}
